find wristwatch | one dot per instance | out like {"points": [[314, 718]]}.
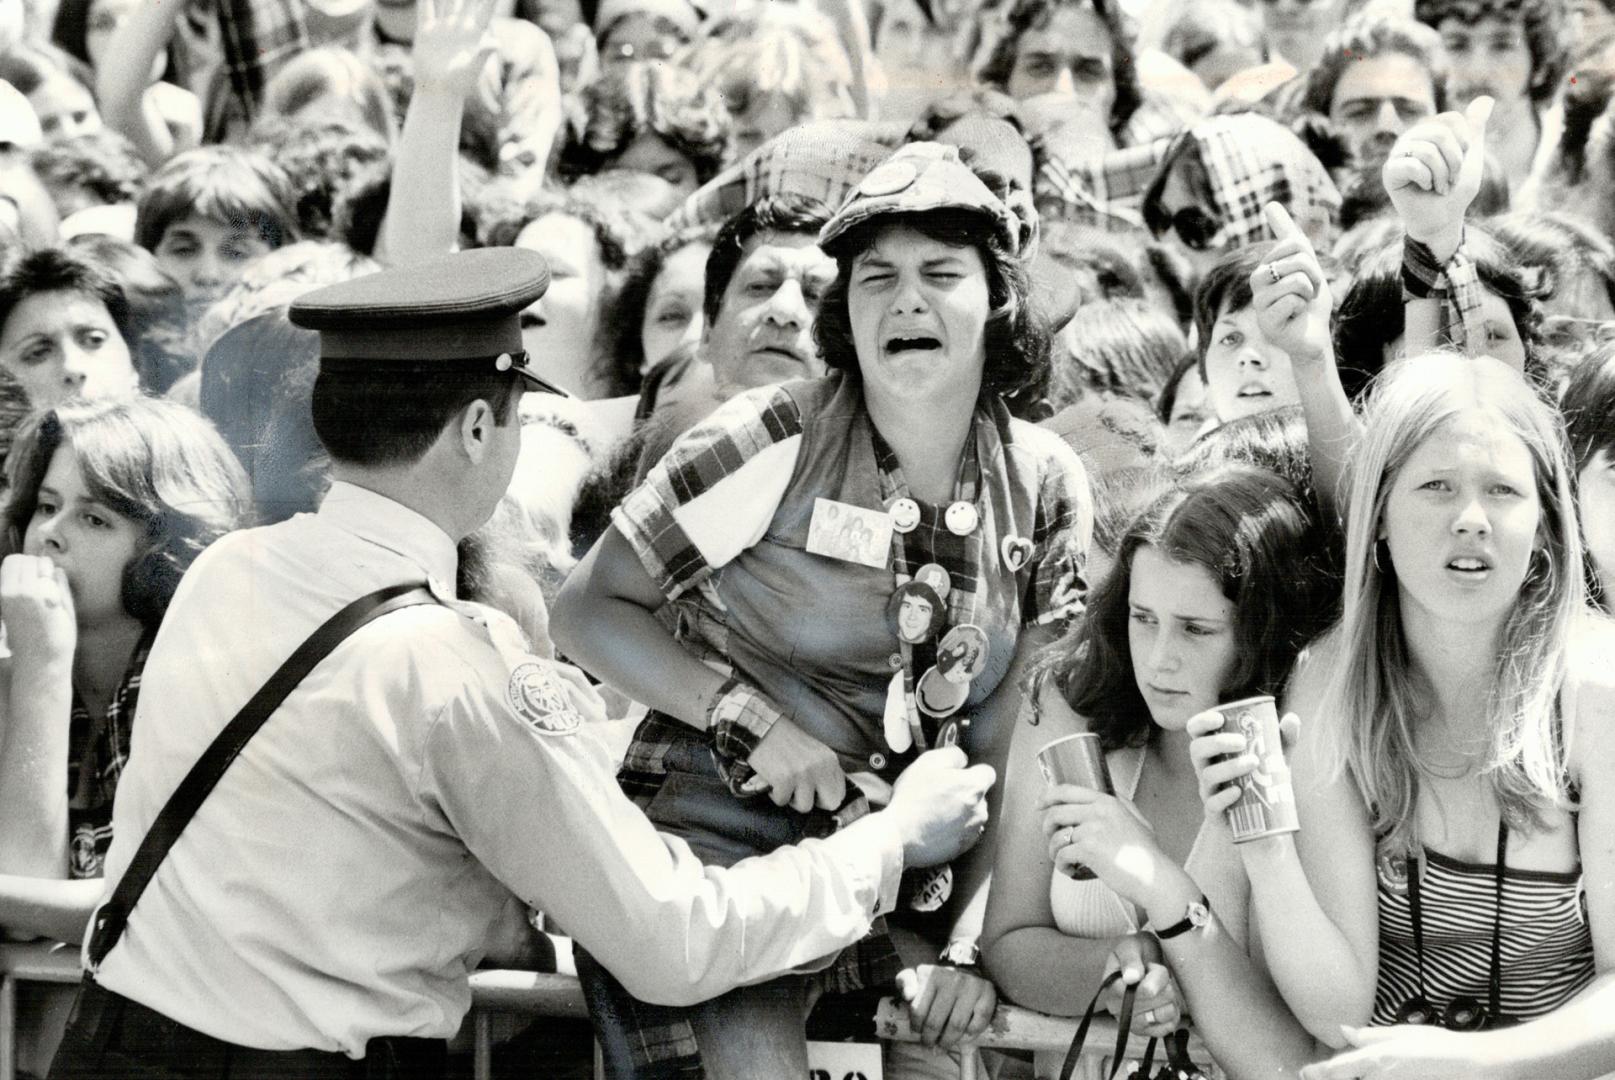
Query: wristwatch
{"points": [[965, 954], [1197, 915]]}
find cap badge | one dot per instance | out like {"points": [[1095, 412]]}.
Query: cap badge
{"points": [[503, 362], [536, 698], [889, 179]]}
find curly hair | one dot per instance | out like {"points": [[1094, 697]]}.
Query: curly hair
{"points": [[624, 317], [102, 165], [323, 162], [639, 99], [1544, 22], [1366, 38], [1017, 337], [1028, 15], [153, 462], [1252, 531]]}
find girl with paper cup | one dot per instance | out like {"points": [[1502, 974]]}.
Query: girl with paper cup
{"points": [[1218, 584]]}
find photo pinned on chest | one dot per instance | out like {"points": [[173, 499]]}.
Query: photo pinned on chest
{"points": [[540, 701]]}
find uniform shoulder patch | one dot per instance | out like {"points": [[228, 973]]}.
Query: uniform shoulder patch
{"points": [[537, 698]]}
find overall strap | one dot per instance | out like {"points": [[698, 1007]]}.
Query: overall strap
{"points": [[182, 805]]}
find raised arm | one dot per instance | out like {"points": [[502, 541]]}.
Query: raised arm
{"points": [[1294, 306], [37, 608], [1433, 174], [1313, 893], [121, 82], [452, 47]]}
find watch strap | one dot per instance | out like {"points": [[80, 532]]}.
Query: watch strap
{"points": [[1188, 922]]}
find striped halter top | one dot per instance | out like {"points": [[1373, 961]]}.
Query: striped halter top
{"points": [[1546, 953]]}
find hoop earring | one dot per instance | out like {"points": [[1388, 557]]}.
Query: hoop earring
{"points": [[1374, 554]]}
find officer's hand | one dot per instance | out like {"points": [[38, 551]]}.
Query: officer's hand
{"points": [[947, 1005], [37, 607], [796, 769], [940, 806]]}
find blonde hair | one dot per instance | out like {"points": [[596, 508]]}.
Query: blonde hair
{"points": [[1372, 691]]}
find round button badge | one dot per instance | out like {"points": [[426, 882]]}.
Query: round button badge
{"points": [[905, 515], [961, 518]]}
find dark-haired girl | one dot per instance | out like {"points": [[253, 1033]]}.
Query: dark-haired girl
{"points": [[1217, 585], [109, 503], [1588, 405]]}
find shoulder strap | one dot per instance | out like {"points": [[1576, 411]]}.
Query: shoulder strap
{"points": [[210, 767]]}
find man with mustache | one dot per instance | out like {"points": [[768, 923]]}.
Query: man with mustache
{"points": [[1378, 75], [1515, 52]]}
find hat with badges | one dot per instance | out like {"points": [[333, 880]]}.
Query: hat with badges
{"points": [[919, 177], [461, 309]]}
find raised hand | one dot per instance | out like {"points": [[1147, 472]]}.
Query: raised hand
{"points": [[452, 45], [1434, 173], [37, 608], [1291, 294]]}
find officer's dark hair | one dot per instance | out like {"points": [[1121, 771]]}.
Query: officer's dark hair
{"points": [[392, 414], [58, 269], [151, 461], [784, 213], [1017, 336]]}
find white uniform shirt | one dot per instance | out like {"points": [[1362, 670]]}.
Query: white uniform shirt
{"points": [[341, 881]]}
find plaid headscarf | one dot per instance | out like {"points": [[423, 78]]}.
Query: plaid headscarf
{"points": [[1252, 161]]}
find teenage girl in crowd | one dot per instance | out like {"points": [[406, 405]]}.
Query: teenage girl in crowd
{"points": [[1455, 776], [108, 503]]}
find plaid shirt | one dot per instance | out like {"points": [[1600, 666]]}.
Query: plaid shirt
{"points": [[89, 813], [258, 37]]}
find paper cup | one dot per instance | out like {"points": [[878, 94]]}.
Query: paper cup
{"points": [[1076, 759], [1266, 805]]}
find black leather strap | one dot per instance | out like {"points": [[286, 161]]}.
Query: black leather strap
{"points": [[210, 767], [1124, 1025]]}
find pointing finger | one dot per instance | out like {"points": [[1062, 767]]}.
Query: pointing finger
{"points": [[1282, 224]]}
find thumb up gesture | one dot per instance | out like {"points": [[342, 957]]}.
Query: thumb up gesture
{"points": [[1434, 173]]}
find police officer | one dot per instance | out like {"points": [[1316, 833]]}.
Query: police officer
{"points": [[320, 911]]}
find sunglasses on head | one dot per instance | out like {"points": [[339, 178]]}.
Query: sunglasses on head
{"points": [[1196, 228]]}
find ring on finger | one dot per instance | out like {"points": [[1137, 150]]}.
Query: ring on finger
{"points": [[1273, 272], [1149, 1016]]}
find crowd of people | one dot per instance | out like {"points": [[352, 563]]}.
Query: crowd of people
{"points": [[745, 435]]}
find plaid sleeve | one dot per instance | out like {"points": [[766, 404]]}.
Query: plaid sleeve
{"points": [[1060, 538], [1455, 285], [258, 37], [714, 493]]}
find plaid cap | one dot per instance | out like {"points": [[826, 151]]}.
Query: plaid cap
{"points": [[1252, 161], [919, 177]]}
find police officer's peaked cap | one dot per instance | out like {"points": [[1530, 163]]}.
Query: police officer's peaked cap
{"points": [[461, 309]]}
